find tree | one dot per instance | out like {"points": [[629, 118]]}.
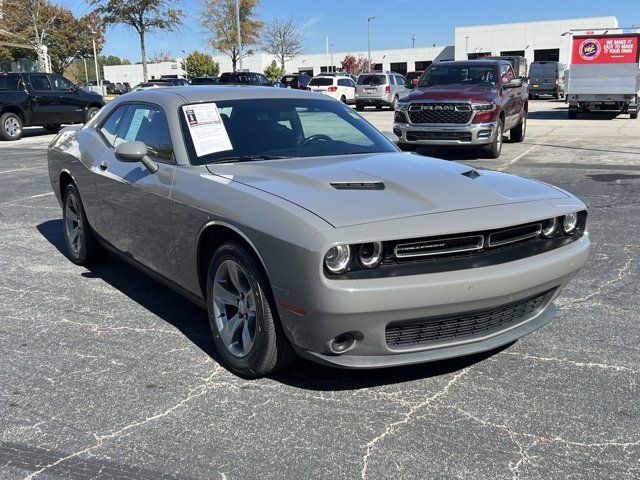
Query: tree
{"points": [[219, 17], [143, 16], [162, 56], [71, 38], [29, 22], [273, 72], [126, 61], [353, 65], [283, 40], [198, 64]]}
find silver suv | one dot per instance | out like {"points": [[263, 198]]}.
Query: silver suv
{"points": [[379, 89]]}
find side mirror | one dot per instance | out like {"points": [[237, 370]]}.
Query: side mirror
{"points": [[135, 152], [516, 82]]}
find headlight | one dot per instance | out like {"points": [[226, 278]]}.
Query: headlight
{"points": [[370, 254], [403, 107], [549, 228], [483, 107], [337, 258], [570, 223]]}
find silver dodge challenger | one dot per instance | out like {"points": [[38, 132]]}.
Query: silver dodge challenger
{"points": [[303, 230]]}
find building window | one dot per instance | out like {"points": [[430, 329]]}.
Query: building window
{"points": [[400, 67], [512, 53], [423, 65], [475, 56], [547, 55]]}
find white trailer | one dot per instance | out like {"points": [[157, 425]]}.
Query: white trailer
{"points": [[604, 72]]}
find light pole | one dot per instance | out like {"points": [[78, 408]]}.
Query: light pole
{"points": [[369, 41], [331, 47], [86, 74], [413, 40], [239, 35], [326, 59], [95, 57], [184, 63]]}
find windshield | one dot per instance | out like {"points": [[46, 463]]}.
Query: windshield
{"points": [[459, 74], [372, 80], [321, 82], [267, 128]]}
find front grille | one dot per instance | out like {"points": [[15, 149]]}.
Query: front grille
{"points": [[457, 136], [463, 325], [456, 113]]}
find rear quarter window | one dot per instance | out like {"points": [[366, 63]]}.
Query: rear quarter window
{"points": [[9, 84]]}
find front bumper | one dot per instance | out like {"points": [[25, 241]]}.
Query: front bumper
{"points": [[445, 134], [367, 307]]}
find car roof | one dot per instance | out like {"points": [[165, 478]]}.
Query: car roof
{"points": [[174, 97]]}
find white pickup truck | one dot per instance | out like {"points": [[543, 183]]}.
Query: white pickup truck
{"points": [[604, 73]]}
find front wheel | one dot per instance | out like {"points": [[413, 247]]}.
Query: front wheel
{"points": [[243, 318], [91, 112], [494, 149], [633, 115], [11, 126], [82, 246], [394, 105]]}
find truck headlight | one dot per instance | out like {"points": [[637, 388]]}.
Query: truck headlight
{"points": [[403, 107], [337, 259], [484, 107]]}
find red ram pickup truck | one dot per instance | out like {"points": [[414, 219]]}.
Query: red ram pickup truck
{"points": [[466, 103]]}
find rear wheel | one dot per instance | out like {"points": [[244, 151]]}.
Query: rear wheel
{"points": [[242, 315], [52, 127], [359, 107], [343, 99], [91, 112], [494, 149], [82, 246], [517, 133], [11, 126]]}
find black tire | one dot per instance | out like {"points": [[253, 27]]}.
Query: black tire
{"points": [[343, 99], [394, 103], [86, 250], [531, 96], [11, 126], [494, 149], [378, 107], [517, 133], [556, 96], [406, 147], [573, 113], [91, 112], [52, 127], [359, 107], [633, 115], [270, 350]]}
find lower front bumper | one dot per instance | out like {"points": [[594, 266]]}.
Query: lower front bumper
{"points": [[467, 134]]}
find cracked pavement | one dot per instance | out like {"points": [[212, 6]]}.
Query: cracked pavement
{"points": [[107, 374]]}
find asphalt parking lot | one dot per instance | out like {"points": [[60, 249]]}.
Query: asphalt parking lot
{"points": [[107, 374]]}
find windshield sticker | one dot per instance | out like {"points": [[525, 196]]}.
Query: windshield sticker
{"points": [[207, 129]]}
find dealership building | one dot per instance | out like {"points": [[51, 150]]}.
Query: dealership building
{"points": [[545, 40]]}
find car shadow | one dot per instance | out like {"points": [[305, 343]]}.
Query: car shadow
{"points": [[451, 153], [192, 322], [561, 113], [35, 132]]}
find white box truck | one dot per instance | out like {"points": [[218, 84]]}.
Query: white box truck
{"points": [[604, 73]]}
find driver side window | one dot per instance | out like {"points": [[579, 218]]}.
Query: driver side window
{"points": [[61, 84], [148, 124]]}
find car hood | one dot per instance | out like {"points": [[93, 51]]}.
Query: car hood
{"points": [[473, 93], [356, 189]]}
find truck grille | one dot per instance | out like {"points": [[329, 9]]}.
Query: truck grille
{"points": [[456, 113], [464, 325]]}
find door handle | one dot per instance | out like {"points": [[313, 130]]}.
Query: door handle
{"points": [[104, 165]]}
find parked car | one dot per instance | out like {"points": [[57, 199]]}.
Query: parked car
{"points": [[518, 63], [411, 79], [118, 88], [468, 103], [338, 87], [546, 78], [379, 89], [340, 74], [150, 85], [205, 81], [43, 99], [245, 78], [176, 82], [303, 229], [297, 81]]}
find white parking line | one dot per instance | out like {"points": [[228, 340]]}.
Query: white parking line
{"points": [[23, 169], [526, 152], [41, 195]]}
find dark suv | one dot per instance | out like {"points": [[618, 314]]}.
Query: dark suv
{"points": [[298, 81], [245, 78], [46, 99]]}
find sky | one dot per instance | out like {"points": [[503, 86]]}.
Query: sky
{"points": [[345, 21]]}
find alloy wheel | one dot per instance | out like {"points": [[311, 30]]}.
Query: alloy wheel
{"points": [[234, 308], [12, 127], [73, 224]]}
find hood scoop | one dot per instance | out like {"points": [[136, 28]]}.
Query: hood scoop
{"points": [[473, 174], [367, 185]]}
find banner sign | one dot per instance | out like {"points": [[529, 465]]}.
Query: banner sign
{"points": [[610, 49]]}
